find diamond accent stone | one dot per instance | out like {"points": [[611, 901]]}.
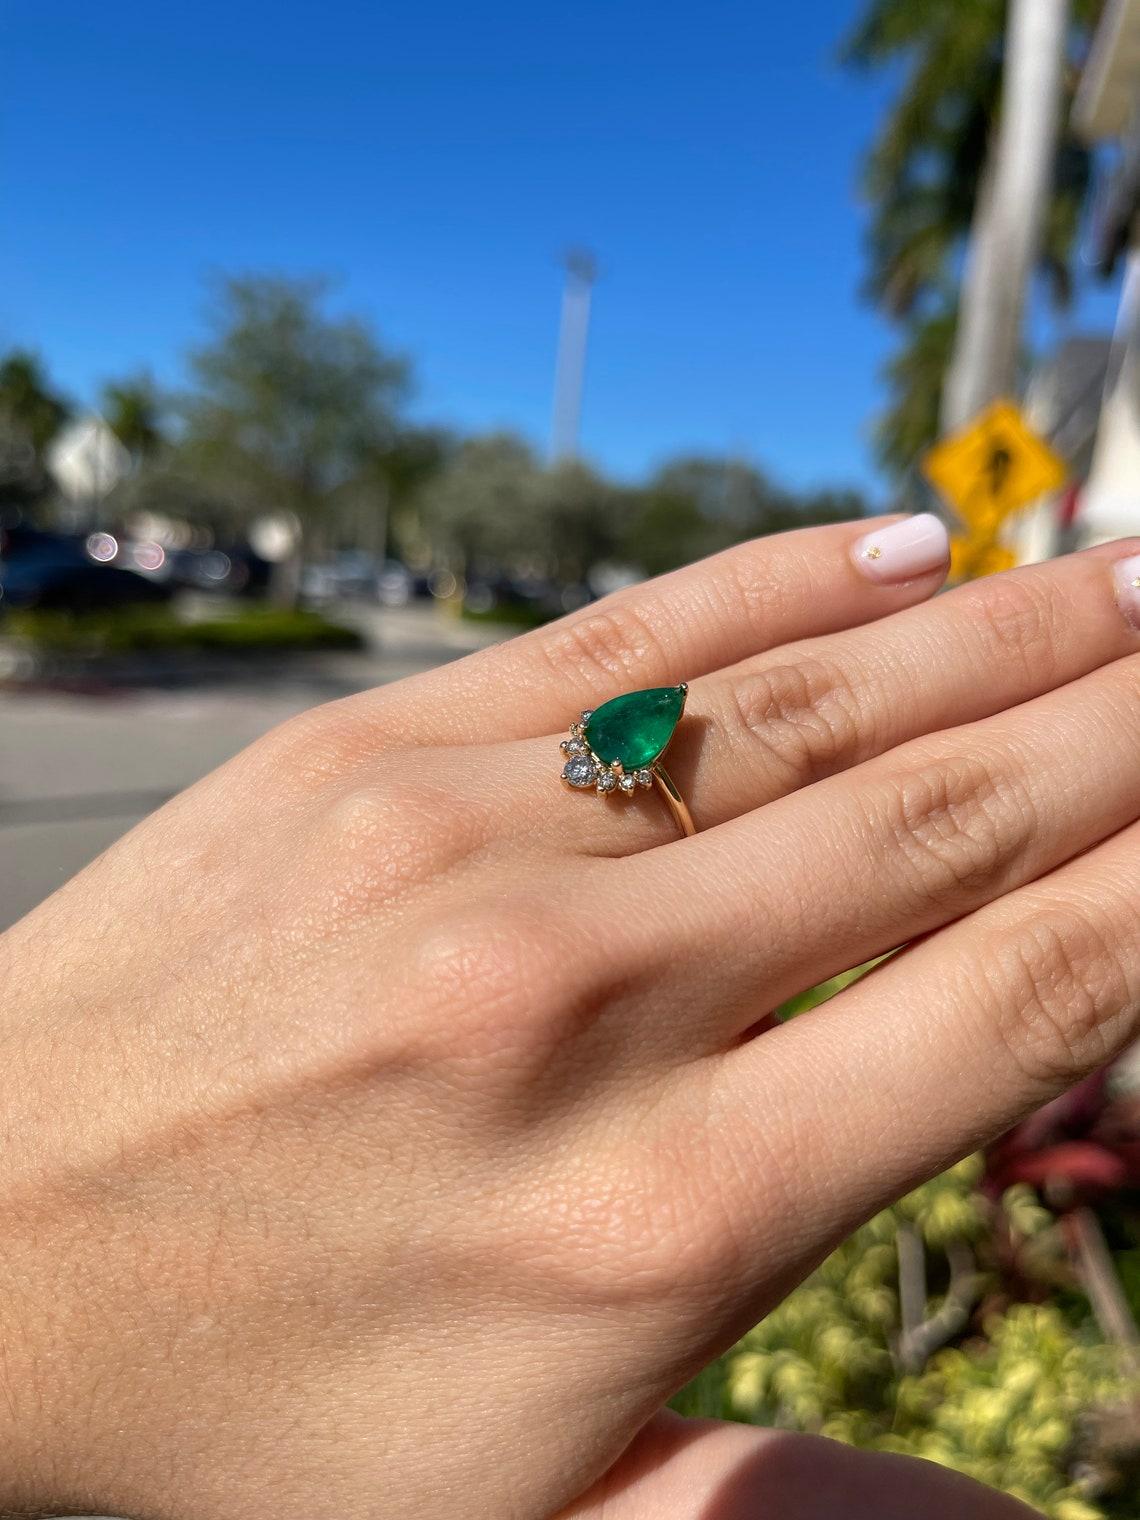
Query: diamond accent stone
{"points": [[607, 781], [580, 771], [574, 747], [586, 715], [644, 778], [627, 784]]}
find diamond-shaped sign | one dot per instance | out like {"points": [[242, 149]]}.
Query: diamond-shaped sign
{"points": [[994, 466]]}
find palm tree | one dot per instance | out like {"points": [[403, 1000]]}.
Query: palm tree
{"points": [[27, 399], [134, 412], [924, 175], [31, 414]]}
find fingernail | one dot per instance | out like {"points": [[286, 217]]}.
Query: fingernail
{"points": [[904, 550], [1126, 574]]}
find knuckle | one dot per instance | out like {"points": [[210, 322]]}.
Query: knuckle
{"points": [[484, 980], [323, 743], [1019, 620], [613, 638], [807, 717], [957, 824], [406, 828], [1059, 977]]}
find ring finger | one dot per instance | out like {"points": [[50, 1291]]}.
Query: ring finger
{"points": [[773, 724]]}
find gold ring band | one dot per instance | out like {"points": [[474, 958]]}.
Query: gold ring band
{"points": [[677, 804]]}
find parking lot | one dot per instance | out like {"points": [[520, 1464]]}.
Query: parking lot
{"points": [[76, 771]]}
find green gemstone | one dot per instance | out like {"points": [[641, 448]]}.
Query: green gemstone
{"points": [[635, 728]]}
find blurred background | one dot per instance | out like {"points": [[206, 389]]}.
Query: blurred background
{"points": [[338, 341]]}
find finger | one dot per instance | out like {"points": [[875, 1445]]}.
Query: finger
{"points": [[846, 870], [939, 1050], [782, 721], [778, 722], [713, 1470], [753, 597]]}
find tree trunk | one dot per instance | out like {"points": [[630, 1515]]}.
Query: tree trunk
{"points": [[284, 589], [1010, 213]]}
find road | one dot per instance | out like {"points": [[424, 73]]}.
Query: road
{"points": [[78, 771]]}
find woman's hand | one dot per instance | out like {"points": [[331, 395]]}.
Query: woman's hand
{"points": [[386, 1127]]}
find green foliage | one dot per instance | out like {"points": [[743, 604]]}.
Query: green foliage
{"points": [[668, 529], [494, 503], [814, 996], [31, 414], [481, 505], [289, 401], [1004, 1406], [138, 629], [133, 410], [924, 174]]}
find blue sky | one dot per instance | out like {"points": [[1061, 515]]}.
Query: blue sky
{"points": [[436, 158]]}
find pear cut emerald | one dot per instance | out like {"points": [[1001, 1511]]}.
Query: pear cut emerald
{"points": [[635, 728]]}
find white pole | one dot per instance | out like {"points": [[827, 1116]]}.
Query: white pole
{"points": [[1110, 506], [570, 371], [1010, 215]]}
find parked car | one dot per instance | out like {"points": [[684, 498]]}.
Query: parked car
{"points": [[232, 568], [53, 571], [395, 584], [522, 598], [353, 573]]}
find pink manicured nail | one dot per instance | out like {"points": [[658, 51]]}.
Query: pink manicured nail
{"points": [[1126, 574], [904, 550]]}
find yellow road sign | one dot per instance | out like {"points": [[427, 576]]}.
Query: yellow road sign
{"points": [[994, 466]]}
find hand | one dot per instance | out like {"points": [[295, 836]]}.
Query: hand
{"points": [[387, 1130]]}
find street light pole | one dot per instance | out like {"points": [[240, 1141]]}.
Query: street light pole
{"points": [[570, 371]]}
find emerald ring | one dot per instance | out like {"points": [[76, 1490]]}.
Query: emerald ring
{"points": [[615, 750]]}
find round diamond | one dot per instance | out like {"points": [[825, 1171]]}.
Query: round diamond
{"points": [[574, 747], [580, 771], [607, 781], [644, 778], [627, 784]]}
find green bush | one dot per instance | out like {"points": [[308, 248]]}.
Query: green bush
{"points": [[522, 615], [131, 630], [1006, 1405]]}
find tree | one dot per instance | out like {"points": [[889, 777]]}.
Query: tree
{"points": [[393, 477], [696, 504], [732, 496], [583, 515], [666, 527], [31, 414], [133, 410], [924, 175], [483, 508], [290, 403]]}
